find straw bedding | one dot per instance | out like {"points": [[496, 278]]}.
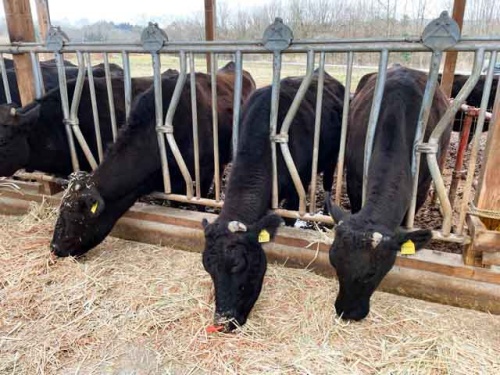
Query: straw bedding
{"points": [[131, 308]]}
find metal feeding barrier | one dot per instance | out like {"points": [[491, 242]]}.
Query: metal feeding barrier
{"points": [[441, 34]]}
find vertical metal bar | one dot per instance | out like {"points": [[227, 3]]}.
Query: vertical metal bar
{"points": [[111, 101], [73, 116], [215, 124], [194, 112], [283, 135], [174, 102], [375, 110], [65, 108], [95, 110], [317, 129], [127, 80], [275, 96], [237, 100], [444, 123], [159, 122], [35, 65], [5, 80], [477, 139], [343, 134], [423, 117]]}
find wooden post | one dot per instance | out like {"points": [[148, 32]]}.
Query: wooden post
{"points": [[42, 11], [488, 191], [20, 28], [209, 26], [451, 57]]}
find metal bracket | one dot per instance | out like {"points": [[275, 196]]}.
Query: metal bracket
{"points": [[153, 38], [441, 33], [428, 148], [280, 138], [277, 36], [56, 39], [166, 129]]}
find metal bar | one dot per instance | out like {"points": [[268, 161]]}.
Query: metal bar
{"points": [[436, 135], [35, 65], [194, 112], [181, 80], [477, 139], [237, 100], [285, 127], [317, 130], [333, 45], [111, 101], [374, 113], [157, 83], [65, 108], [273, 123], [343, 134], [459, 162], [215, 124], [127, 80], [423, 117], [73, 115], [95, 110], [5, 79]]}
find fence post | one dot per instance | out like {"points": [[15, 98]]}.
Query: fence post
{"points": [[20, 28], [485, 232]]}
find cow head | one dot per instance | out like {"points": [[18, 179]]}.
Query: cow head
{"points": [[78, 228], [362, 257], [14, 126], [236, 262]]}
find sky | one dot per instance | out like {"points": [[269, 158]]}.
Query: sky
{"points": [[126, 10]]}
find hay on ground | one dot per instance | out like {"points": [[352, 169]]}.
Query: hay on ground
{"points": [[131, 308]]}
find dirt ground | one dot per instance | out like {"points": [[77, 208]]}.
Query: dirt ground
{"points": [[132, 308]]}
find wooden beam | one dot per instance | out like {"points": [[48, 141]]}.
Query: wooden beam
{"points": [[451, 57], [43, 15], [20, 28], [210, 23]]}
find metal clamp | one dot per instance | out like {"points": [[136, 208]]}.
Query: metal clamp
{"points": [[71, 122], [441, 33], [280, 138], [277, 36], [165, 129], [153, 38], [56, 39], [427, 148]]}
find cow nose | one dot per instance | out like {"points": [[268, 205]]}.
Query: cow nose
{"points": [[55, 249]]}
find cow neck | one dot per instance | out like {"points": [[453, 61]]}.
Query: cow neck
{"points": [[248, 195]]}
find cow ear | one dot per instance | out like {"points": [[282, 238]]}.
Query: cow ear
{"points": [[420, 238], [29, 115], [267, 227], [204, 223], [336, 212], [93, 204]]}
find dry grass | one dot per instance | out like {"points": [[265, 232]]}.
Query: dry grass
{"points": [[131, 308]]}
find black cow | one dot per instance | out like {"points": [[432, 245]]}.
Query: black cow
{"points": [[132, 166], [366, 242], [34, 137], [233, 256], [51, 78]]}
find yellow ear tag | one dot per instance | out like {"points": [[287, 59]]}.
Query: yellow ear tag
{"points": [[93, 209], [264, 236], [408, 248]]}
